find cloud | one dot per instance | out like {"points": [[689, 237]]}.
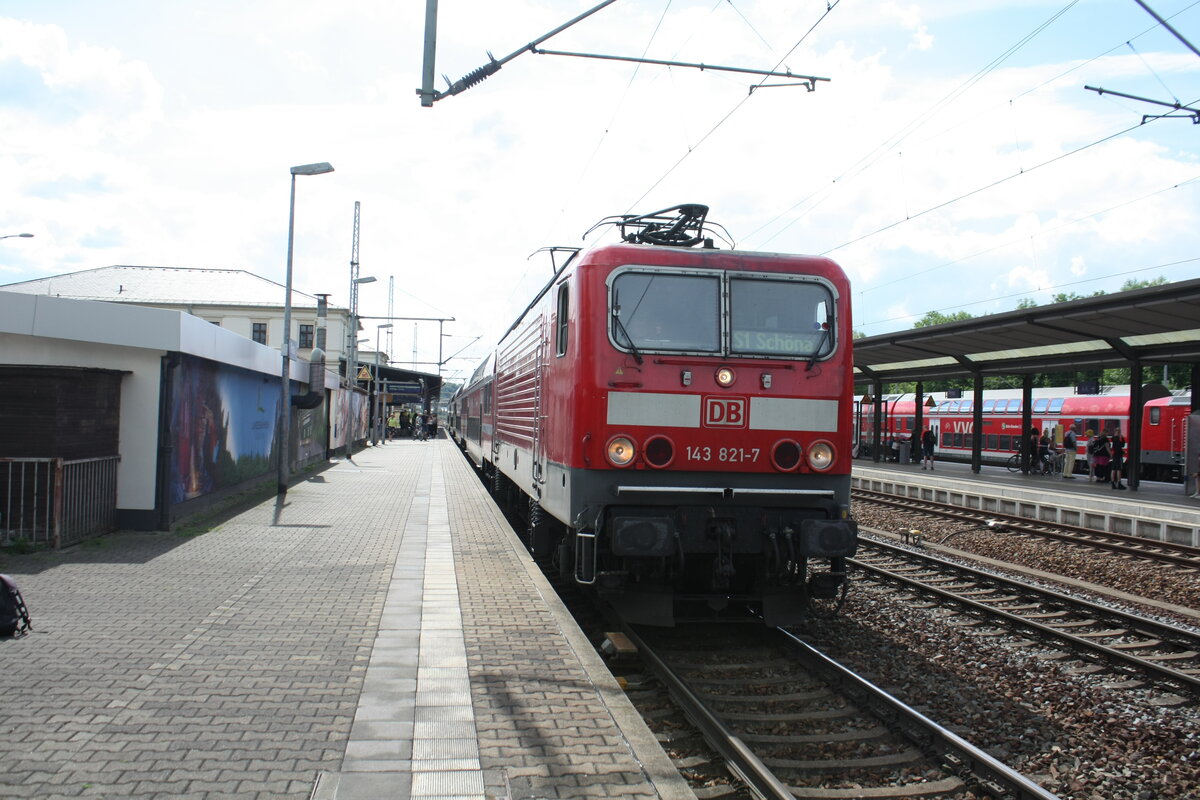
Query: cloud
{"points": [[80, 84], [166, 138]]}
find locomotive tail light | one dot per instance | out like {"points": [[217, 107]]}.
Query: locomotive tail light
{"points": [[766, 380], [820, 456], [785, 455], [620, 451], [660, 452], [685, 377], [725, 377]]}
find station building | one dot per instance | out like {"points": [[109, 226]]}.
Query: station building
{"points": [[135, 397]]}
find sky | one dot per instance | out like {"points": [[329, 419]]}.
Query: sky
{"points": [[953, 160]]}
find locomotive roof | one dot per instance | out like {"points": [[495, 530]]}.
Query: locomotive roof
{"points": [[1157, 324]]}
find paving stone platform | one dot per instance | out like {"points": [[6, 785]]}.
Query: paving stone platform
{"points": [[379, 633]]}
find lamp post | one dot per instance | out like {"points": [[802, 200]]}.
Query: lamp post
{"points": [[375, 429], [285, 399], [20, 235]]}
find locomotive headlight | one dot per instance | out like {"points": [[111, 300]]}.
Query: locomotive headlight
{"points": [[820, 456], [620, 451], [725, 376]]}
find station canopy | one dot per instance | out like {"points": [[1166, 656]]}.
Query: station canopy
{"points": [[1158, 324]]}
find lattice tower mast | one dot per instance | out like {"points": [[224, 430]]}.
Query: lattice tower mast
{"points": [[352, 328], [391, 295]]}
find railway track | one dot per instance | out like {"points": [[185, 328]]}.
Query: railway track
{"points": [[1177, 555], [1128, 643], [792, 723]]}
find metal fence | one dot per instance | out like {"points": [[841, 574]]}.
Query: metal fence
{"points": [[56, 502]]}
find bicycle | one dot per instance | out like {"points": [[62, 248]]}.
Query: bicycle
{"points": [[1052, 466]]}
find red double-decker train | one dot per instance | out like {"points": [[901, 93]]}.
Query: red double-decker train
{"points": [[1164, 428], [674, 422]]}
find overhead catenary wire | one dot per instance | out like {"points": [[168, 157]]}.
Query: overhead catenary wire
{"points": [[960, 306], [828, 10], [914, 124], [1009, 243], [984, 188], [826, 190]]}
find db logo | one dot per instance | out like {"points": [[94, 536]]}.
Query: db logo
{"points": [[724, 412]]}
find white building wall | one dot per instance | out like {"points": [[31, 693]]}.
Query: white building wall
{"points": [[136, 474]]}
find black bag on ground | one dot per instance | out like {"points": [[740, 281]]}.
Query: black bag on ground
{"points": [[14, 616]]}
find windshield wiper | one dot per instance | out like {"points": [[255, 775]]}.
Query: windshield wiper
{"points": [[817, 350], [616, 315]]}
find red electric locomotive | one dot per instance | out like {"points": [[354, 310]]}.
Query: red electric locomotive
{"points": [[676, 419]]}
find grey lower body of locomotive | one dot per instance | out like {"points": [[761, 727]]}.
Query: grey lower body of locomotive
{"points": [[661, 546]]}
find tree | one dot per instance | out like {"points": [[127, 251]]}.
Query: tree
{"points": [[1131, 284], [938, 318]]}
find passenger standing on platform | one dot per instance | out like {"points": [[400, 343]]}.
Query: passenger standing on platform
{"points": [[1101, 456], [1069, 452], [1033, 443], [1116, 459], [928, 441], [1043, 452], [1091, 453]]}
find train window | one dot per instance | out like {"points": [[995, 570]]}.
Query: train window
{"points": [[657, 311], [988, 406], [954, 405], [992, 441], [1056, 405], [780, 318], [966, 406], [1092, 425], [943, 406], [1004, 442], [1014, 405], [1155, 415], [1039, 405], [958, 440], [947, 439], [560, 344], [908, 424]]}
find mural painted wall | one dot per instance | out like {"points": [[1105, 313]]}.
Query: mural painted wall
{"points": [[348, 417], [223, 424], [312, 429]]}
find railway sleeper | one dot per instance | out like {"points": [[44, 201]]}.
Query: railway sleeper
{"points": [[858, 735], [901, 757]]}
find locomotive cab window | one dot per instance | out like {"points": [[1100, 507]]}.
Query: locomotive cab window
{"points": [[780, 318], [660, 311]]}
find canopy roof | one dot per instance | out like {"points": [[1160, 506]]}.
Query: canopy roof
{"points": [[1158, 324]]}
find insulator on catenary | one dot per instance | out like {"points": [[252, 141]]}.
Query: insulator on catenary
{"points": [[474, 77]]}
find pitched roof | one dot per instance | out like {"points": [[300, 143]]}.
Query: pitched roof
{"points": [[165, 286]]}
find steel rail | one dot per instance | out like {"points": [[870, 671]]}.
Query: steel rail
{"points": [[737, 755], [1143, 625], [1140, 547], [961, 758], [995, 776], [1076, 643]]}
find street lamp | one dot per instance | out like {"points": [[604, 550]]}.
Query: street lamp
{"points": [[375, 429], [21, 235], [285, 393]]}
